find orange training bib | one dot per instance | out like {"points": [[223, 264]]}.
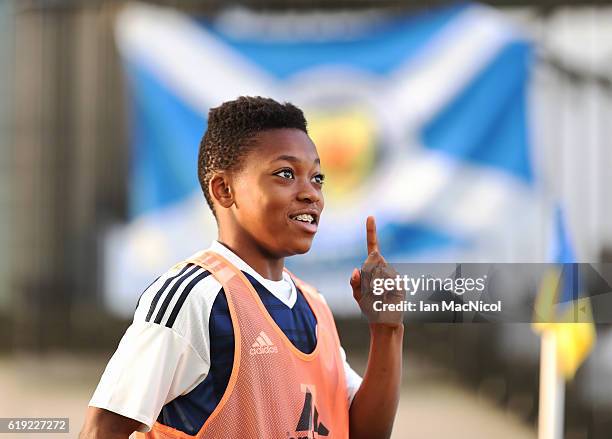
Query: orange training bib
{"points": [[275, 390]]}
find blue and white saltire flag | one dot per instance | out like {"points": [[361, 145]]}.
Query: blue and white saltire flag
{"points": [[420, 120]]}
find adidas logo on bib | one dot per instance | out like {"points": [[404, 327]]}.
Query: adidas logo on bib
{"points": [[263, 345]]}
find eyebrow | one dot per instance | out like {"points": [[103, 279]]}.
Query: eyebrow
{"points": [[291, 158]]}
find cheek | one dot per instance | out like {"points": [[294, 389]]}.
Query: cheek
{"points": [[274, 205], [263, 205]]}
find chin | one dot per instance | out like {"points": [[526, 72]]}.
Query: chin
{"points": [[300, 247]]}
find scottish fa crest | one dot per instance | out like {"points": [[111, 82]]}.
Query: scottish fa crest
{"points": [[348, 142]]}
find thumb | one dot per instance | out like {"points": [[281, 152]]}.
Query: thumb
{"points": [[356, 284]]}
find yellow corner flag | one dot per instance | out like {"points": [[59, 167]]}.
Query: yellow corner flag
{"points": [[573, 328]]}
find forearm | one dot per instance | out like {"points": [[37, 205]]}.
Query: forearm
{"points": [[103, 424], [373, 409], [96, 434]]}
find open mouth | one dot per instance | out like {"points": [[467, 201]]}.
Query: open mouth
{"points": [[305, 218]]}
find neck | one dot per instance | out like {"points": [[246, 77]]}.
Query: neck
{"points": [[268, 266]]}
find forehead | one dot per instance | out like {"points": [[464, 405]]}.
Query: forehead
{"points": [[270, 144]]}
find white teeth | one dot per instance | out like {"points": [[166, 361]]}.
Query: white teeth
{"points": [[304, 217]]}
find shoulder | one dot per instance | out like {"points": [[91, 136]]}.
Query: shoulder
{"points": [[180, 299]]}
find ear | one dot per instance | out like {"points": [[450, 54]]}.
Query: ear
{"points": [[220, 189]]}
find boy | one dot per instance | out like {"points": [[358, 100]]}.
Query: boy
{"points": [[228, 344]]}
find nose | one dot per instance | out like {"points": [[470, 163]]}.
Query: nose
{"points": [[309, 193]]}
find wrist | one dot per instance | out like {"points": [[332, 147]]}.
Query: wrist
{"points": [[386, 328]]}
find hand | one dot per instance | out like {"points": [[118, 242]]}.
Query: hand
{"points": [[375, 267]]}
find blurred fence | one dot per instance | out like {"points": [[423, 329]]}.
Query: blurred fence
{"points": [[68, 160], [572, 107], [6, 30]]}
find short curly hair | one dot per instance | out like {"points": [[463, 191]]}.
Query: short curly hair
{"points": [[231, 129]]}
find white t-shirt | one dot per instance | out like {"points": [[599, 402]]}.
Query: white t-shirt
{"points": [[155, 363]]}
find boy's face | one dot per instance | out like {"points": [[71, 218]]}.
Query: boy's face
{"points": [[277, 193]]}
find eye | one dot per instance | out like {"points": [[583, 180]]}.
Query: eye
{"points": [[318, 179], [285, 173]]}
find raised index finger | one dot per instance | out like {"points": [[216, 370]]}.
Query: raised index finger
{"points": [[371, 237]]}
